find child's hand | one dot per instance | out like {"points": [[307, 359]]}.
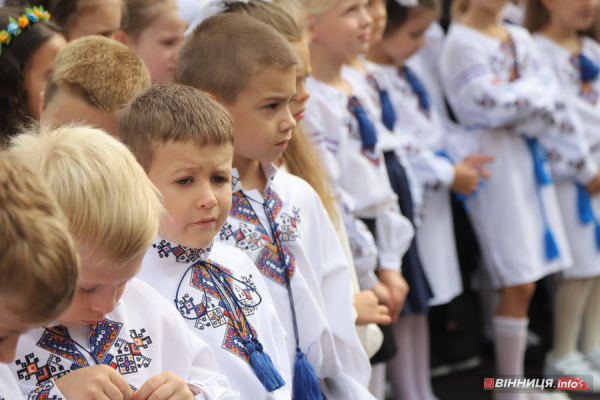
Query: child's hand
{"points": [[479, 161], [398, 290], [466, 179], [99, 382], [593, 186], [164, 386], [369, 310]]}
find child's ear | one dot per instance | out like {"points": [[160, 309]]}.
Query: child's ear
{"points": [[212, 96], [121, 36], [310, 28], [42, 101], [548, 4]]}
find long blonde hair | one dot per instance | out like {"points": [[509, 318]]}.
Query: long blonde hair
{"points": [[301, 159]]}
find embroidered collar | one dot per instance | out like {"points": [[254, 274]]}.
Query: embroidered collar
{"points": [[269, 169], [181, 254]]}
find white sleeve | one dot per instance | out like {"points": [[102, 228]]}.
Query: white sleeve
{"points": [[480, 100], [203, 381]]}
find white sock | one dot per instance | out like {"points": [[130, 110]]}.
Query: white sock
{"points": [[377, 382], [591, 317], [510, 337], [571, 298], [421, 357], [401, 368]]}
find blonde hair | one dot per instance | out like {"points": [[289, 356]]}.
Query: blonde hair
{"points": [[301, 159], [112, 207], [318, 7], [288, 20], [141, 13], [226, 51], [39, 260], [164, 113], [104, 73]]}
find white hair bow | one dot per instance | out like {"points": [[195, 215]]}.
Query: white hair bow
{"points": [[209, 8], [408, 3]]}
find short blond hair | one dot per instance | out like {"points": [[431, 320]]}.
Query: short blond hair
{"points": [[226, 51], [173, 113], [104, 73], [287, 19], [112, 207], [39, 263]]}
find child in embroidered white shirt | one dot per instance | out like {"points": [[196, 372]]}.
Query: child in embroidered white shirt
{"points": [[277, 219], [40, 264], [118, 336], [184, 141]]}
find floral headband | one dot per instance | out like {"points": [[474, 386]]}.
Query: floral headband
{"points": [[31, 16]]}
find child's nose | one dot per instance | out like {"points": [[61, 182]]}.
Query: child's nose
{"points": [[104, 302], [288, 123], [206, 198]]}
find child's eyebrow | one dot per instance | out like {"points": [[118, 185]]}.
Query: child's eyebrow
{"points": [[278, 98]]}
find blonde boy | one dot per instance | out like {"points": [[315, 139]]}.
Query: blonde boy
{"points": [[118, 336], [184, 141], [277, 219], [91, 81], [39, 264]]}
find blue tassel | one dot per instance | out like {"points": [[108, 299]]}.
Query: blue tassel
{"points": [[551, 246], [539, 159], [263, 366], [418, 88], [597, 236], [368, 135], [589, 69], [584, 205], [388, 114], [306, 384]]}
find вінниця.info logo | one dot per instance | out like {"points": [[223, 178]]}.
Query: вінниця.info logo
{"points": [[512, 383]]}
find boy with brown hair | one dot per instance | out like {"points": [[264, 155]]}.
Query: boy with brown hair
{"points": [[91, 81], [118, 336], [40, 264], [277, 219], [184, 141]]}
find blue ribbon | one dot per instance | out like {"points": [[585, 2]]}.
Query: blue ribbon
{"points": [[542, 178], [589, 69], [418, 88], [585, 212], [388, 114], [368, 135]]}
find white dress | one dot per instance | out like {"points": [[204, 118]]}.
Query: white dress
{"points": [[166, 267], [502, 100], [9, 389], [317, 271], [142, 337], [576, 154], [437, 247], [360, 172]]}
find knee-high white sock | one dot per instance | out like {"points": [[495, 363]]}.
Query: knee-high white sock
{"points": [[401, 368], [421, 357], [571, 298], [510, 337], [591, 317], [377, 382]]}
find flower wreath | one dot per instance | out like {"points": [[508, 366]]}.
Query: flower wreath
{"points": [[15, 27]]}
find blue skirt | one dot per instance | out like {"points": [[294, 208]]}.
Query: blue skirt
{"points": [[412, 270]]}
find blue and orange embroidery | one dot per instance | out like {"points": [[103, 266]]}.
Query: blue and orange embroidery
{"points": [[252, 235], [105, 348]]}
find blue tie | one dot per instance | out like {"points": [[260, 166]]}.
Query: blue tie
{"points": [[589, 69], [368, 135], [418, 88]]}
